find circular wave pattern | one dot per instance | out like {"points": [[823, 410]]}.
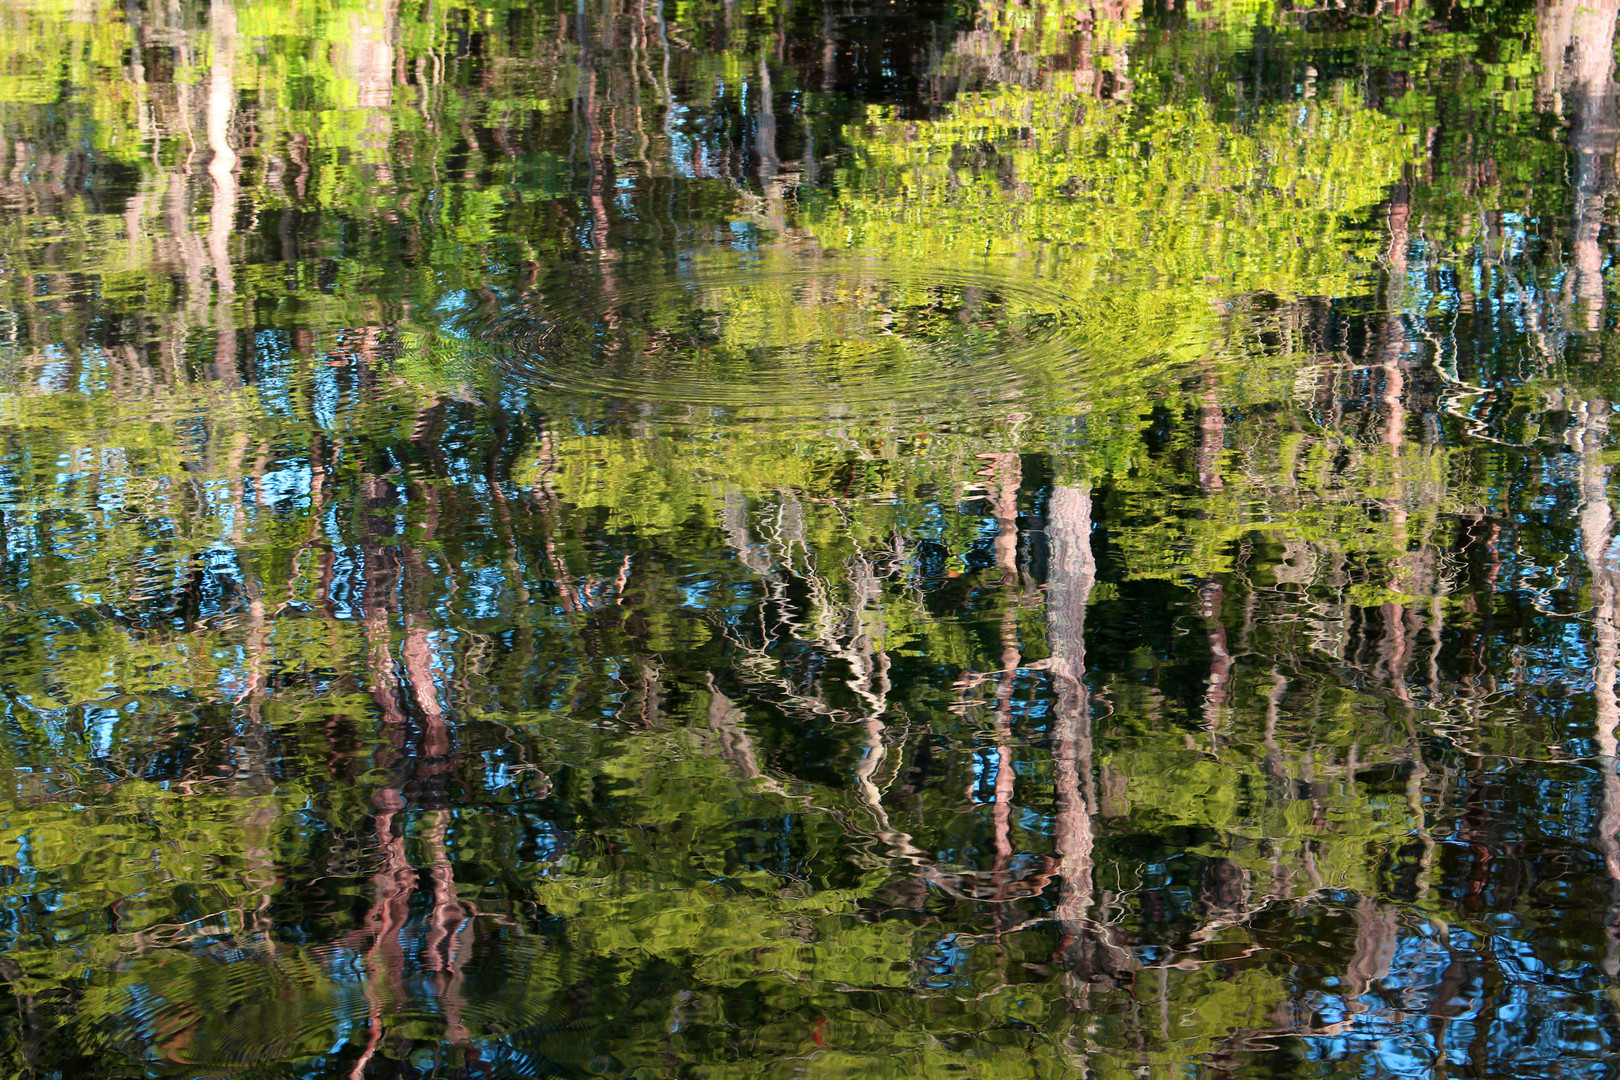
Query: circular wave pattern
{"points": [[786, 340]]}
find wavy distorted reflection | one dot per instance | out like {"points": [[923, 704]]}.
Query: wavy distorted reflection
{"points": [[1015, 539]]}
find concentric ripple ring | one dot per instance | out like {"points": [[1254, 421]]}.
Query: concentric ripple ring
{"points": [[785, 336]]}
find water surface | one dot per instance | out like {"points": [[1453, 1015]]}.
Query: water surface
{"points": [[746, 539]]}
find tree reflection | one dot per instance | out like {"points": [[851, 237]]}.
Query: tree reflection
{"points": [[1036, 539]]}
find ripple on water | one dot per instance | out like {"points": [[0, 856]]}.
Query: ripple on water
{"points": [[241, 1012], [789, 339]]}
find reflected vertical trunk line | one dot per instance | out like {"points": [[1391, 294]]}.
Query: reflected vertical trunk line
{"points": [[1282, 783], [135, 214], [1481, 682], [1005, 471], [235, 457], [1211, 600], [420, 661], [1392, 361], [365, 55], [1336, 363], [317, 507], [448, 918], [1597, 529], [1393, 653], [1377, 935], [255, 767], [298, 154], [516, 572], [1072, 573], [850, 639], [449, 921], [568, 594], [1417, 778], [1393, 650], [1437, 626], [1590, 44], [734, 523], [1555, 24], [776, 607], [651, 687], [829, 51], [667, 96], [765, 128], [1447, 987], [388, 575], [418, 655], [392, 886], [1590, 440], [597, 160], [1211, 433], [1002, 817], [223, 161], [873, 755], [1274, 699], [338, 759], [223, 164], [1211, 445], [380, 585], [1008, 470], [638, 64], [188, 249], [255, 646], [251, 742], [729, 723]]}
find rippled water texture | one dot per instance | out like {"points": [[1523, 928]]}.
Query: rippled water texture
{"points": [[788, 338], [754, 539]]}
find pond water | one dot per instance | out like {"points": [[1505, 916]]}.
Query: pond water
{"points": [[758, 538]]}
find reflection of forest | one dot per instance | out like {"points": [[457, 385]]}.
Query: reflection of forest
{"points": [[1249, 683]]}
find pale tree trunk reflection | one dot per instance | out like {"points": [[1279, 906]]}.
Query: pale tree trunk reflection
{"points": [[222, 169], [1577, 73], [1007, 470], [399, 576], [1072, 571], [1590, 437]]}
